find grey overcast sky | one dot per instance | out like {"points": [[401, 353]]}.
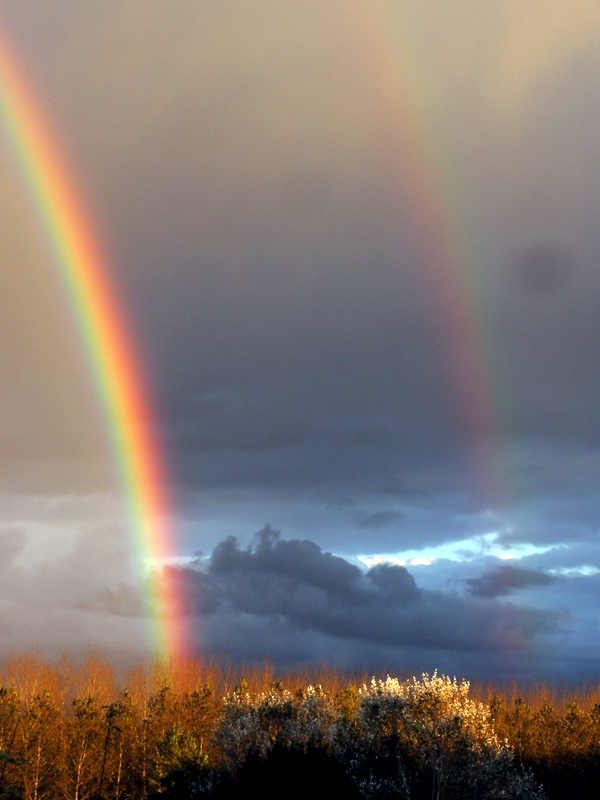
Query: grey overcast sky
{"points": [[359, 244]]}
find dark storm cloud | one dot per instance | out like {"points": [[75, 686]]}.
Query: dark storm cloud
{"points": [[379, 519], [252, 185], [246, 169], [505, 579], [278, 585], [316, 364]]}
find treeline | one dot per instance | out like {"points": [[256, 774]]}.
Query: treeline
{"points": [[199, 730]]}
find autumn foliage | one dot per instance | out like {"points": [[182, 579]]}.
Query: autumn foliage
{"points": [[81, 732]]}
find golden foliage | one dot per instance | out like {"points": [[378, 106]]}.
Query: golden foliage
{"points": [[80, 731]]}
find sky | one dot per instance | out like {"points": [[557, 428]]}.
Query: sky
{"points": [[358, 244]]}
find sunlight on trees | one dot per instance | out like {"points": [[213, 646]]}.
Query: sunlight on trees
{"points": [[82, 733]]}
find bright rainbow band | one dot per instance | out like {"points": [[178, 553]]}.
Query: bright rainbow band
{"points": [[108, 344]]}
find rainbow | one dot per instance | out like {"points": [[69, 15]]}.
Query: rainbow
{"points": [[107, 342], [451, 276]]}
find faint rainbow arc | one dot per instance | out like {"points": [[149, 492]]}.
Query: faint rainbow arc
{"points": [[452, 285], [105, 339]]}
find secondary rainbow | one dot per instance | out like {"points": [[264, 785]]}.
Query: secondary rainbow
{"points": [[104, 335], [430, 191]]}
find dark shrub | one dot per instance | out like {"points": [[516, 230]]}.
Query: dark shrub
{"points": [[290, 774]]}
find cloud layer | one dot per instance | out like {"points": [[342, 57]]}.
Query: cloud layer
{"points": [[290, 597], [505, 580], [268, 182]]}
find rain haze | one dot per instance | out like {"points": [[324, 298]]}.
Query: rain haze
{"points": [[358, 245]]}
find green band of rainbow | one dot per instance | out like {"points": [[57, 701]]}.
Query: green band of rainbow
{"points": [[102, 330]]}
